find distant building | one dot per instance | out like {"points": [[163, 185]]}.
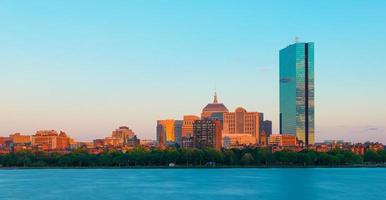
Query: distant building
{"points": [[214, 109], [50, 140], [282, 140], [297, 92], [242, 122], [169, 131], [123, 133], [267, 127], [5, 142], [99, 143], [187, 125], [187, 131], [238, 140], [207, 134], [178, 132], [132, 142], [112, 142], [148, 143], [17, 138]]}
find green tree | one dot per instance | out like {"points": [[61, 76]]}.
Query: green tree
{"points": [[247, 159]]}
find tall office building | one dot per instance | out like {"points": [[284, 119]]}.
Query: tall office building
{"points": [[242, 122], [297, 91], [187, 126], [169, 131]]}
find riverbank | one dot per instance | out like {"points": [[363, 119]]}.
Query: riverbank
{"points": [[206, 167], [194, 158]]}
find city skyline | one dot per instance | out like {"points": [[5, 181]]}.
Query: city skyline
{"points": [[103, 70]]}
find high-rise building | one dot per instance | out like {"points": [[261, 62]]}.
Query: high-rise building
{"points": [[242, 122], [165, 131], [187, 131], [178, 131], [169, 131], [297, 92], [207, 134], [187, 126]]}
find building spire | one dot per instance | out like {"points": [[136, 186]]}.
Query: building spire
{"points": [[215, 97]]}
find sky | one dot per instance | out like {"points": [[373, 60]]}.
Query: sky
{"points": [[87, 67]]}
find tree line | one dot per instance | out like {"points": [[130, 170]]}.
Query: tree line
{"points": [[140, 157]]}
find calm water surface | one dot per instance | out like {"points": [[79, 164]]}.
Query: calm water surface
{"points": [[183, 184]]}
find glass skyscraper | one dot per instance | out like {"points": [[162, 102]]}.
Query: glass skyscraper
{"points": [[297, 91]]}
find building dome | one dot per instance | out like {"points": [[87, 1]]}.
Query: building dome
{"points": [[212, 108], [215, 107]]}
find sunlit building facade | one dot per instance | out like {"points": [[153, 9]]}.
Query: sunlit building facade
{"points": [[242, 122], [187, 126], [123, 134], [49, 140], [18, 138], [169, 131], [297, 92], [282, 140]]}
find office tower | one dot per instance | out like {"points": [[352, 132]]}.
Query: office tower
{"points": [[242, 122], [297, 92], [178, 131], [187, 131], [207, 134], [169, 131], [214, 109]]}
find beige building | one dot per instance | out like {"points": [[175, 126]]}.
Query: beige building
{"points": [[187, 125], [242, 122]]}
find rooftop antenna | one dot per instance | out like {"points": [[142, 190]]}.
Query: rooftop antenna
{"points": [[296, 39], [215, 96]]}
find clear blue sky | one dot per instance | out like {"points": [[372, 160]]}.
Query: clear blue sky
{"points": [[87, 67]]}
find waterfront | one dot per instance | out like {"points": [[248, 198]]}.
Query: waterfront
{"points": [[308, 183]]}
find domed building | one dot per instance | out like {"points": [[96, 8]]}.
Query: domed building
{"points": [[213, 108]]}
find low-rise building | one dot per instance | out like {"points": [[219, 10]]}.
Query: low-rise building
{"points": [[238, 140], [285, 140], [50, 140], [17, 138]]}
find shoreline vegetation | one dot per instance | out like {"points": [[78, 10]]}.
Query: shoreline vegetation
{"points": [[140, 158]]}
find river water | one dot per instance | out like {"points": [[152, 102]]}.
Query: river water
{"points": [[184, 184]]}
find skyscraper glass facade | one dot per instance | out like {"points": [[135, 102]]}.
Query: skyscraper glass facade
{"points": [[297, 91]]}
